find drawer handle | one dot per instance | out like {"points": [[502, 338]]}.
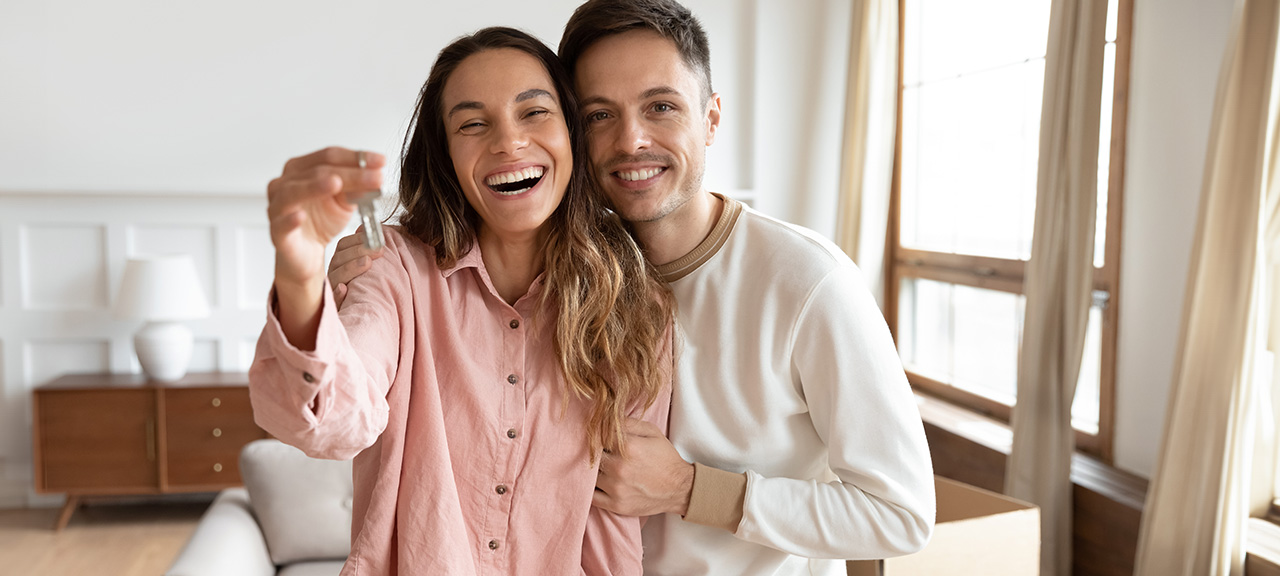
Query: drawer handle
{"points": [[217, 432], [217, 467], [217, 402]]}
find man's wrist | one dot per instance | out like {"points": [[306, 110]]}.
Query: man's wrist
{"points": [[684, 491], [717, 498]]}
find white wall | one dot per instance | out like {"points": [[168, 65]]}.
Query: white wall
{"points": [[1177, 53]]}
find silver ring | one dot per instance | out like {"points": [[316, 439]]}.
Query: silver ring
{"points": [[360, 159]]}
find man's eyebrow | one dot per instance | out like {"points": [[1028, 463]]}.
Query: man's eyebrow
{"points": [[647, 94], [465, 105], [594, 100], [658, 91]]}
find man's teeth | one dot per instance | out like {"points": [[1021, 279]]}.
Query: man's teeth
{"points": [[516, 176], [633, 175]]}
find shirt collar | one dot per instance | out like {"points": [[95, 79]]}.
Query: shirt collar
{"points": [[469, 260]]}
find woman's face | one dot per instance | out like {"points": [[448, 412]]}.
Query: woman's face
{"points": [[508, 140]]}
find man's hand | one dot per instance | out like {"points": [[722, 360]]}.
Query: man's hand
{"points": [[652, 479], [350, 259]]}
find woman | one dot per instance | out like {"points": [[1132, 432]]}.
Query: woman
{"points": [[478, 369]]}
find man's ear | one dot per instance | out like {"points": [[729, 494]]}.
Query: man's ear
{"points": [[713, 117]]}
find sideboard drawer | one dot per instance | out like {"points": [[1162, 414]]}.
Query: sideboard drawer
{"points": [[205, 429]]}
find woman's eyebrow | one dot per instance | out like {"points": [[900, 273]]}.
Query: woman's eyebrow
{"points": [[521, 97], [532, 93], [465, 105]]}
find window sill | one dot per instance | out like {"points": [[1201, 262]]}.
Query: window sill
{"points": [[1262, 548], [1087, 471]]}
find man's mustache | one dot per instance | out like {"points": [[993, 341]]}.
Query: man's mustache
{"points": [[611, 164]]}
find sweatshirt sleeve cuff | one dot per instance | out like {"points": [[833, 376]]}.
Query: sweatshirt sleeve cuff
{"points": [[716, 498]]}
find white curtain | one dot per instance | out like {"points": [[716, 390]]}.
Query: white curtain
{"points": [[870, 122], [1200, 495], [1059, 275]]}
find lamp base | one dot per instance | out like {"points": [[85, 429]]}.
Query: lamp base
{"points": [[164, 350]]}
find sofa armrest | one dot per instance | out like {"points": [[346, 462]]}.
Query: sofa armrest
{"points": [[226, 542]]}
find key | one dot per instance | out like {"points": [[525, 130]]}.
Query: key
{"points": [[368, 208], [369, 219]]}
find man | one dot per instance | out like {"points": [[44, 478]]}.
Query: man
{"points": [[790, 399]]}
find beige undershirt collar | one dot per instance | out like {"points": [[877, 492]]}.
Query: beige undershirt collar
{"points": [[684, 265]]}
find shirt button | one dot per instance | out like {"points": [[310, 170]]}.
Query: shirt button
{"points": [[511, 433], [308, 378], [493, 544], [514, 324], [512, 378], [501, 489]]}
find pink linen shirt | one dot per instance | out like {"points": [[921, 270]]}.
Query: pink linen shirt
{"points": [[451, 402]]}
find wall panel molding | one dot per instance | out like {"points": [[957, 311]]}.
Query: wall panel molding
{"points": [[56, 318]]}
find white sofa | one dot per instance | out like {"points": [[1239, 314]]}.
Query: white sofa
{"points": [[292, 518]]}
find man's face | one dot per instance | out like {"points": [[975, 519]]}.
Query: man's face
{"points": [[648, 124]]}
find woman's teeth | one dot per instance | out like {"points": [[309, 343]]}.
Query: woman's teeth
{"points": [[516, 181]]}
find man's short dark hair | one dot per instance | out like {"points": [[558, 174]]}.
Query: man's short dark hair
{"points": [[598, 19]]}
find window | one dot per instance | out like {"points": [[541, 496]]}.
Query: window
{"points": [[972, 76]]}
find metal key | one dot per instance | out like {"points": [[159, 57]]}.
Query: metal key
{"points": [[369, 219], [369, 212]]}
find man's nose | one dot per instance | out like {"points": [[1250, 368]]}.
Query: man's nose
{"points": [[634, 135]]}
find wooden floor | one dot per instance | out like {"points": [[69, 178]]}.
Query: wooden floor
{"points": [[107, 539]]}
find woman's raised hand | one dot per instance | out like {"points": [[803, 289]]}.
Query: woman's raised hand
{"points": [[310, 204]]}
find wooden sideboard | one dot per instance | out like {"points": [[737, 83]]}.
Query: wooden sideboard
{"points": [[119, 434]]}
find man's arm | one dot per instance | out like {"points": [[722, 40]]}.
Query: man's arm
{"points": [[651, 479], [862, 408]]}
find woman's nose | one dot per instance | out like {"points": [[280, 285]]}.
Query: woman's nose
{"points": [[508, 138]]}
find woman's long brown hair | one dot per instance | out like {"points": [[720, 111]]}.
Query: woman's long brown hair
{"points": [[612, 310]]}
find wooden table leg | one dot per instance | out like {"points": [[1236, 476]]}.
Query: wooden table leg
{"points": [[68, 508]]}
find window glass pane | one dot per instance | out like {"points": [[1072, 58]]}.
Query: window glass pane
{"points": [[966, 337], [972, 86], [946, 38], [988, 334], [925, 328], [970, 338], [1113, 19], [1084, 410], [972, 165], [1104, 153]]}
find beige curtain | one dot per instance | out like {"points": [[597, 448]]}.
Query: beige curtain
{"points": [[1199, 499], [869, 130], [1059, 275]]}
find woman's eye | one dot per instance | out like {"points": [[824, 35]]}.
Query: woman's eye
{"points": [[538, 112], [597, 116], [470, 127]]}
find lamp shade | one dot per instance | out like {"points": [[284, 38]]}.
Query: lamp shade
{"points": [[161, 288]]}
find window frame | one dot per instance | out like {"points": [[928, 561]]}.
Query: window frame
{"points": [[1006, 275]]}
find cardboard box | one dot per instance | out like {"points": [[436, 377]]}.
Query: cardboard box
{"points": [[978, 533]]}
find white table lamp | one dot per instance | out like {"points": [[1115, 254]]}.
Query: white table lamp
{"points": [[163, 290]]}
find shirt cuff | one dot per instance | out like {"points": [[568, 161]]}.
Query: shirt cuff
{"points": [[716, 498]]}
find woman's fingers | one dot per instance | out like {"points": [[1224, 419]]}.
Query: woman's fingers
{"points": [[288, 194], [336, 156]]}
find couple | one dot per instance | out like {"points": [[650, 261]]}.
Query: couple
{"points": [[503, 373]]}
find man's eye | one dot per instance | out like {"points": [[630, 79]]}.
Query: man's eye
{"points": [[662, 107]]}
